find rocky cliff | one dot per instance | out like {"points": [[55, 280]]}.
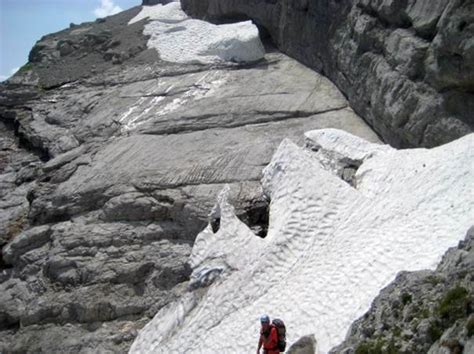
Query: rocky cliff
{"points": [[110, 162], [407, 67]]}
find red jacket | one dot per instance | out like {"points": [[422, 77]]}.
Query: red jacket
{"points": [[270, 343]]}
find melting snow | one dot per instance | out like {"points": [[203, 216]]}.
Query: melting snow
{"points": [[146, 109], [181, 39], [330, 248], [170, 13]]}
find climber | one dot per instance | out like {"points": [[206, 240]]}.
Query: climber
{"points": [[268, 337]]}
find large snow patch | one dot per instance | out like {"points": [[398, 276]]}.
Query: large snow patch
{"points": [[330, 247], [178, 38]]}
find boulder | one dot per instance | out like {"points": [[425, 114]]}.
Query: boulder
{"points": [[304, 345]]}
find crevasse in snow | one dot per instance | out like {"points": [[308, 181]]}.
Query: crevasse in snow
{"points": [[330, 247], [180, 39]]}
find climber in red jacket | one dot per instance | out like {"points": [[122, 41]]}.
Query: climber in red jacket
{"points": [[268, 337]]}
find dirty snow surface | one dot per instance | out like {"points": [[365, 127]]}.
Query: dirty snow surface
{"points": [[330, 247], [180, 39]]}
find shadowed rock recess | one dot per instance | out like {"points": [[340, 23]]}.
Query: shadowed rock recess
{"points": [[407, 67], [110, 162]]}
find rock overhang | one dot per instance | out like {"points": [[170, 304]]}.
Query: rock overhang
{"points": [[178, 38]]}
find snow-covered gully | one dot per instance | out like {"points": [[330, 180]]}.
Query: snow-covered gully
{"points": [[330, 247]]}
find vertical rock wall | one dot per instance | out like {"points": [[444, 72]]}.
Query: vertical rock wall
{"points": [[406, 66]]}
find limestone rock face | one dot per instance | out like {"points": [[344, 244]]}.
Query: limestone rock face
{"points": [[110, 162], [406, 67]]}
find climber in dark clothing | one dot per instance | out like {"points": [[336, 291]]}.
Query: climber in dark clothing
{"points": [[268, 337]]}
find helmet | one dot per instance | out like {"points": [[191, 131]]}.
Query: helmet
{"points": [[264, 319]]}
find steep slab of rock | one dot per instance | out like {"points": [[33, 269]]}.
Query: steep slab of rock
{"points": [[406, 67], [222, 133]]}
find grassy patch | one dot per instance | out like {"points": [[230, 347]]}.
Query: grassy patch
{"points": [[435, 331], [420, 311], [376, 346], [433, 280], [397, 331], [470, 326], [25, 68], [369, 347], [454, 304], [424, 312], [406, 298]]}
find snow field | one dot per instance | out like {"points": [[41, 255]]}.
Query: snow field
{"points": [[180, 39], [330, 248]]}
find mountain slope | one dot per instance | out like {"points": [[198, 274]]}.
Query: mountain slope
{"points": [[330, 248], [115, 164]]}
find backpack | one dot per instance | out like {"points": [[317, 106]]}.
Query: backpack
{"points": [[281, 330]]}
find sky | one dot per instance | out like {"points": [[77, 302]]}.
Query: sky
{"points": [[23, 22]]}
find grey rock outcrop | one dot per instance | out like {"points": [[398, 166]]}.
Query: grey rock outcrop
{"points": [[304, 345], [114, 167], [422, 312], [18, 170], [407, 67]]}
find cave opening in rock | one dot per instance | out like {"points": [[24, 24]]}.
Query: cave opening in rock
{"points": [[3, 265], [25, 143], [348, 172], [10, 123], [9, 323], [264, 33], [346, 167], [256, 216], [215, 224]]}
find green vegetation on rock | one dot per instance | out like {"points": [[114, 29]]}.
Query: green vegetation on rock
{"points": [[433, 280], [435, 331], [454, 305], [406, 298], [376, 346], [470, 326], [25, 68]]}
